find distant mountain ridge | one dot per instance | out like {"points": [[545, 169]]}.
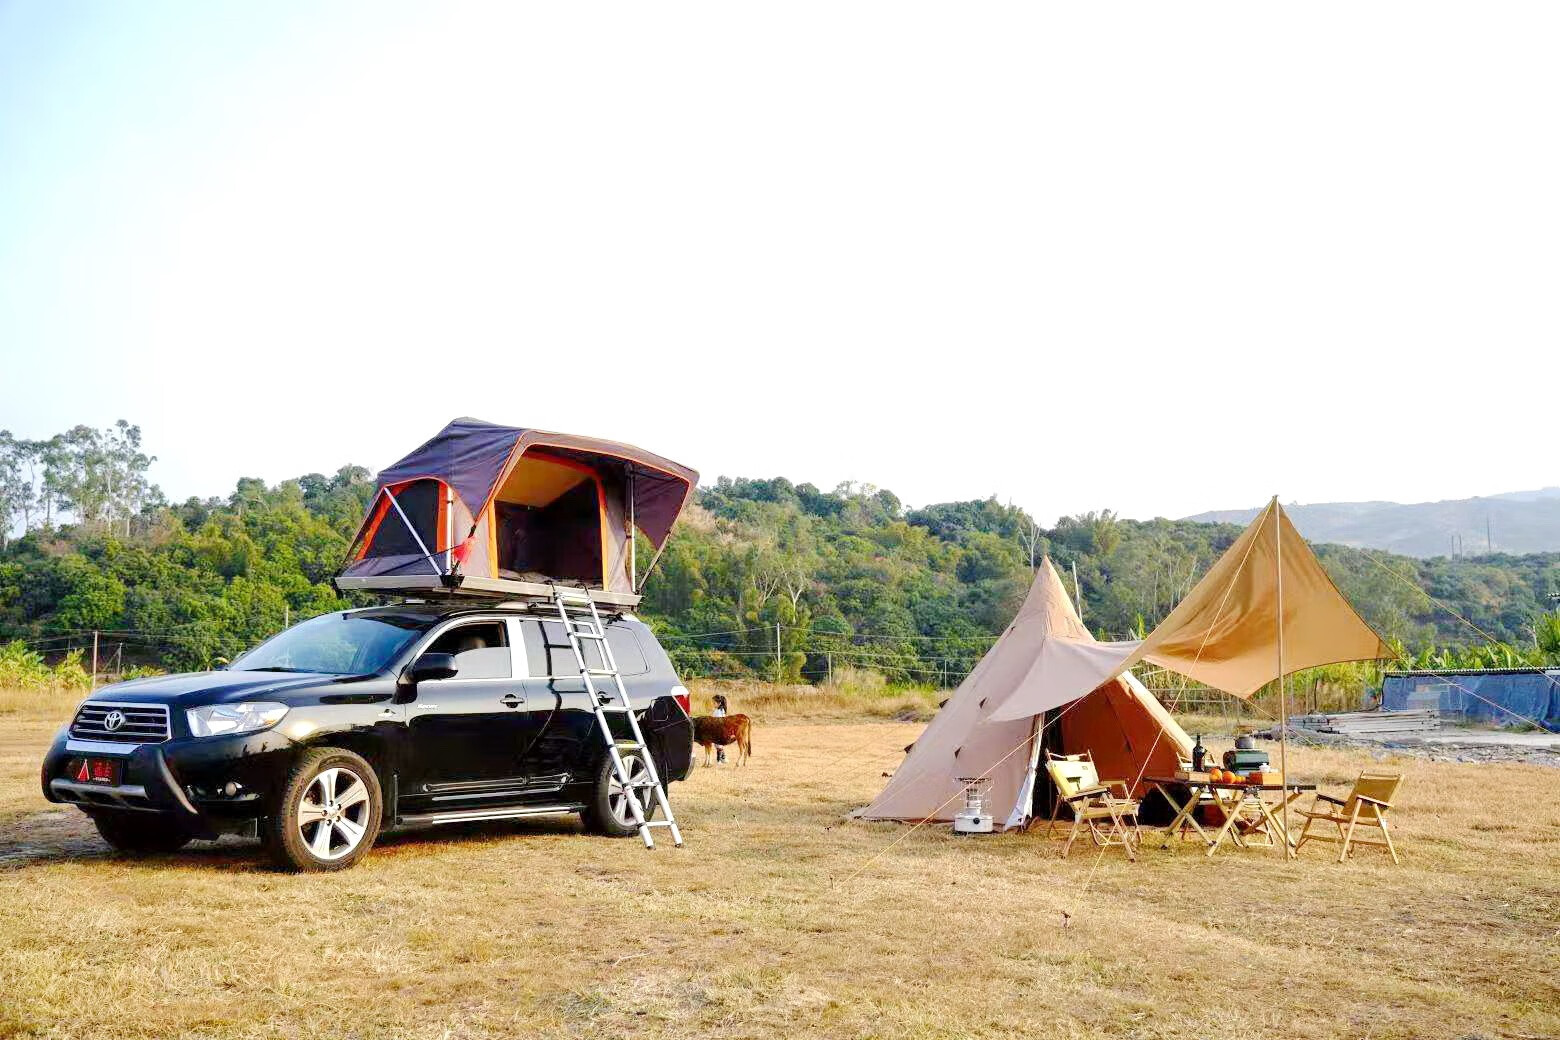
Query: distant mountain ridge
{"points": [[1514, 522]]}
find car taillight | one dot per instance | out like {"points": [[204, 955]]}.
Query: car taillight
{"points": [[680, 695]]}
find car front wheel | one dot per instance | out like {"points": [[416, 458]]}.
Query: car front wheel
{"points": [[328, 814]]}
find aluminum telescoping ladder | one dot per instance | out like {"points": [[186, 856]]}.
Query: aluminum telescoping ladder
{"points": [[604, 686]]}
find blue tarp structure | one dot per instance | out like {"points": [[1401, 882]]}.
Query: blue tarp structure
{"points": [[1494, 697]]}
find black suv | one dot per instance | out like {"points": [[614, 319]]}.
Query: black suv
{"points": [[349, 722]]}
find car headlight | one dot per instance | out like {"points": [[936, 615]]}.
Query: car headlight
{"points": [[220, 720]]}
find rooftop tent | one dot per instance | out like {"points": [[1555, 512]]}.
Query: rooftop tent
{"points": [[1128, 731], [500, 510]]}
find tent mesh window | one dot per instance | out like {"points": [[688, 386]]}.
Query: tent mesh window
{"points": [[419, 500]]}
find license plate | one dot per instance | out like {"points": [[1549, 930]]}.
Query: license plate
{"points": [[98, 771]]}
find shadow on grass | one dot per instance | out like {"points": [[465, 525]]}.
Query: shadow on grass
{"points": [[66, 836]]}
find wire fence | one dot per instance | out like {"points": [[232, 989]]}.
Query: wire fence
{"points": [[788, 653]]}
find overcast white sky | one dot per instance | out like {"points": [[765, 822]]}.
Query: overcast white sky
{"points": [[1147, 257]]}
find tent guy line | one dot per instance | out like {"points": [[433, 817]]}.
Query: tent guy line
{"points": [[1218, 615], [953, 798]]}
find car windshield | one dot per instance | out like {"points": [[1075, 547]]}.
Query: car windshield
{"points": [[338, 644]]}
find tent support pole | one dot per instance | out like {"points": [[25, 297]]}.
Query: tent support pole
{"points": [[654, 560], [1283, 701], [415, 536], [633, 543]]}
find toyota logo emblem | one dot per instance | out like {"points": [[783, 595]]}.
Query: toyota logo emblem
{"points": [[113, 720]]}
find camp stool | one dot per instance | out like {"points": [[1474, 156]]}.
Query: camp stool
{"points": [[1079, 786], [1366, 806]]}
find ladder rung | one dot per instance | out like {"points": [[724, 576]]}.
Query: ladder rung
{"points": [[583, 623]]}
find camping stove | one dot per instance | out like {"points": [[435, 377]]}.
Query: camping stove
{"points": [[974, 818]]}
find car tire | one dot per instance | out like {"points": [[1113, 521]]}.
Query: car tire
{"points": [[327, 814], [607, 812], [141, 833]]}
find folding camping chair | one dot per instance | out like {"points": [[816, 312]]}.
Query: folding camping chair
{"points": [[1079, 787], [1366, 806]]}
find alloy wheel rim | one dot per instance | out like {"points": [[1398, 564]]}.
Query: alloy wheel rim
{"points": [[333, 813], [617, 797]]}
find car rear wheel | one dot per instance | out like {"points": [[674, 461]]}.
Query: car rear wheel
{"points": [[329, 812], [608, 811], [141, 832]]}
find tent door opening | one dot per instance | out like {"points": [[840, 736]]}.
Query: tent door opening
{"points": [[1045, 789], [549, 518]]}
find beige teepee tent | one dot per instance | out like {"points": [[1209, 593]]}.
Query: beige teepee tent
{"points": [[1040, 658]]}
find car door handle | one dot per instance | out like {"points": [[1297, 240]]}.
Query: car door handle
{"points": [[509, 700]]}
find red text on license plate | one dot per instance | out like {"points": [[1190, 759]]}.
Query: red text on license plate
{"points": [[98, 771]]}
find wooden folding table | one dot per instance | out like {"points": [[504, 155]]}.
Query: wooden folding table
{"points": [[1248, 813]]}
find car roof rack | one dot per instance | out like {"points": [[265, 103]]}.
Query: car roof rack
{"points": [[509, 591]]}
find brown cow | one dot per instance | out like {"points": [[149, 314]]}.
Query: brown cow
{"points": [[710, 732]]}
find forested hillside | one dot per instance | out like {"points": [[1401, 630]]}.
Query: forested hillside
{"points": [[827, 578]]}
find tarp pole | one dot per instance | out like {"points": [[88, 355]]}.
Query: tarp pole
{"points": [[1283, 701]]}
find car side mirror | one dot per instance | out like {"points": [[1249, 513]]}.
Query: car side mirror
{"points": [[433, 666]]}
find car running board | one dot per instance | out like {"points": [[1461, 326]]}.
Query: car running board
{"points": [[472, 815]]}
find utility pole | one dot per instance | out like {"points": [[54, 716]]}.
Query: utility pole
{"points": [[286, 616], [777, 653], [94, 655], [829, 657]]}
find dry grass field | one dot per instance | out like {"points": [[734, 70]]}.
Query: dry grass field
{"points": [[763, 927]]}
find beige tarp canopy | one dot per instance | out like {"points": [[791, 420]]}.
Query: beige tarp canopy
{"points": [[1226, 633], [1045, 649]]}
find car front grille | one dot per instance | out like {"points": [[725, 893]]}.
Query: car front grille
{"points": [[142, 723]]}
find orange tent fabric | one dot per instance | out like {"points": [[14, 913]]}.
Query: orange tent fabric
{"points": [[1127, 730]]}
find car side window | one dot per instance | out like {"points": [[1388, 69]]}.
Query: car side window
{"points": [[547, 650], [625, 650], [481, 650]]}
